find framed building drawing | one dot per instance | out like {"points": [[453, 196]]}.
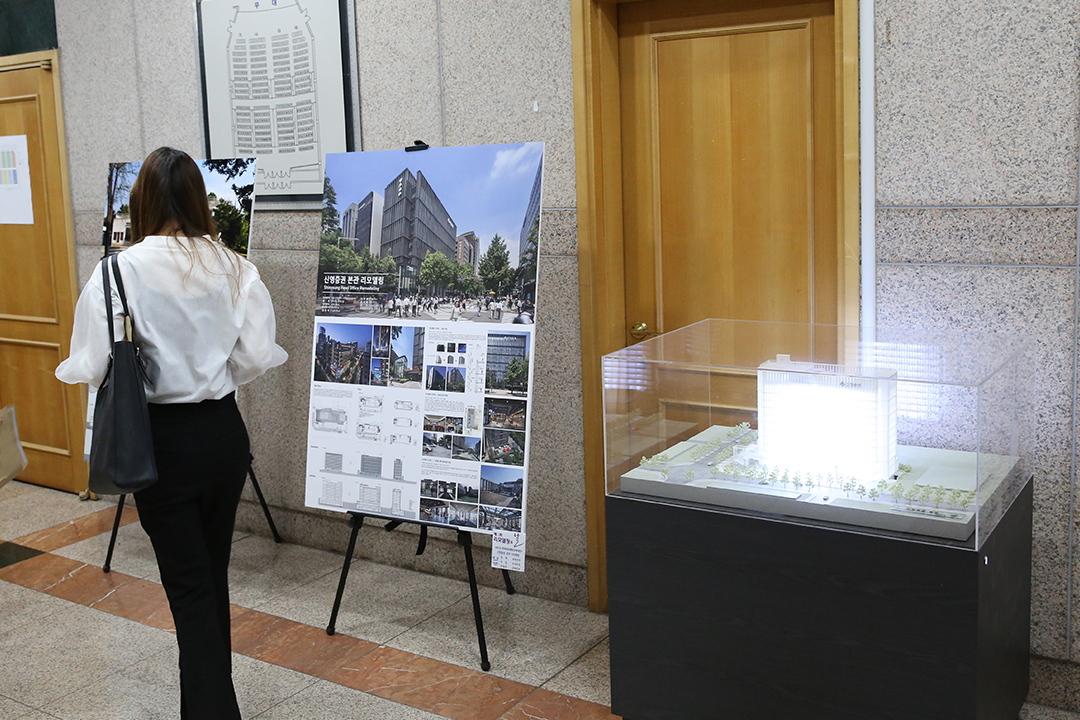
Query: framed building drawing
{"points": [[275, 80]]}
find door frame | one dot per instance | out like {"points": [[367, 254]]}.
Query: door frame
{"points": [[57, 143], [598, 150]]}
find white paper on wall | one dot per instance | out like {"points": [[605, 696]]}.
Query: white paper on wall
{"points": [[274, 89], [16, 201]]}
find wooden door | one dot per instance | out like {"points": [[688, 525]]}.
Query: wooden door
{"points": [[728, 162], [669, 231], [37, 281]]}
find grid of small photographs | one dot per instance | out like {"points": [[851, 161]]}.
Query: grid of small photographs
{"points": [[377, 355], [452, 499], [506, 405], [447, 373]]}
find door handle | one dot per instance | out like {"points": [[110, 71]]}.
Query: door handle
{"points": [[640, 331]]}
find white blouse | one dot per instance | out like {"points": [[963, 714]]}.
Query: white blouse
{"points": [[200, 335]]}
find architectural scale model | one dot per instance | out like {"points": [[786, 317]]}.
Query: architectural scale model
{"points": [[826, 449]]}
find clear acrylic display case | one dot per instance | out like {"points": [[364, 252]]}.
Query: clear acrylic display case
{"points": [[928, 433]]}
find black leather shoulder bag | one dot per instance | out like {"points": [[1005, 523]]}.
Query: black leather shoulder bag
{"points": [[122, 449]]}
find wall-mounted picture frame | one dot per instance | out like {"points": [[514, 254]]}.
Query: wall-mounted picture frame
{"points": [[277, 86]]}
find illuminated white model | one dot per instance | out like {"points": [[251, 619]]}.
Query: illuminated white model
{"points": [[836, 421]]}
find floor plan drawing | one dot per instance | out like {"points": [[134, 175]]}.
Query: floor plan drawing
{"points": [[266, 101]]}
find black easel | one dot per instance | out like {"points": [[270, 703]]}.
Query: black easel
{"points": [[464, 538], [254, 483]]}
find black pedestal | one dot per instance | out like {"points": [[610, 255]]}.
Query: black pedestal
{"points": [[720, 615]]}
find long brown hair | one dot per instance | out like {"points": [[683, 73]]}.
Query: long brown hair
{"points": [[170, 194], [169, 198]]}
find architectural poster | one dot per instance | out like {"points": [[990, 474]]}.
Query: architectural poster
{"points": [[423, 340], [273, 76]]}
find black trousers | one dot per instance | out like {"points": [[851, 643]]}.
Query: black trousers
{"points": [[202, 459]]}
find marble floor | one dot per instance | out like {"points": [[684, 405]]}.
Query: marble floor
{"points": [[77, 643]]}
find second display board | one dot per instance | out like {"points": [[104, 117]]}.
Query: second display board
{"points": [[423, 342]]}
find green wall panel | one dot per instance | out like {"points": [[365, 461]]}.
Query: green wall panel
{"points": [[27, 26]]}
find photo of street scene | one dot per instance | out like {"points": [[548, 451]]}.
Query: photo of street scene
{"points": [[501, 486], [507, 371], [439, 446], [436, 378], [504, 413], [455, 379], [229, 185], [466, 448], [378, 371], [444, 423], [438, 489], [448, 513], [448, 379], [406, 356], [343, 354], [506, 447], [500, 519], [468, 491], [380, 338], [446, 234]]}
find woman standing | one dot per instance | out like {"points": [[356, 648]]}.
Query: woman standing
{"points": [[204, 322]]}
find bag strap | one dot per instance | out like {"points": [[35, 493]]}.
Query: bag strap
{"points": [[128, 323], [107, 289]]}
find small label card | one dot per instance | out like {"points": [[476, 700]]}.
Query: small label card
{"points": [[508, 550]]}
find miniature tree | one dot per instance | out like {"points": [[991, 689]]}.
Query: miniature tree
{"points": [[904, 468], [939, 495], [954, 496], [809, 484], [874, 494], [715, 470], [796, 482], [883, 487], [924, 493], [912, 494], [785, 479], [861, 491], [849, 486], [690, 475]]}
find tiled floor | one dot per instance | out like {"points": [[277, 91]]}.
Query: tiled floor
{"points": [[79, 644]]}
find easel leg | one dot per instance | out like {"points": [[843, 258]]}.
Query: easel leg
{"points": [[356, 521], [115, 530], [262, 501], [508, 582], [465, 541]]}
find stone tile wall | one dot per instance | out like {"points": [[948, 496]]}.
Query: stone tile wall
{"points": [[977, 150], [449, 72]]}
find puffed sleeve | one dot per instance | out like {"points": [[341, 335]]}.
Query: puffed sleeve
{"points": [[89, 356], [256, 351]]}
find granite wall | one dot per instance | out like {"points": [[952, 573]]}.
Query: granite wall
{"points": [[977, 156], [131, 82], [977, 196]]}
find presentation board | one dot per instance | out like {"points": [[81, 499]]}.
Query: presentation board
{"points": [[423, 337]]}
